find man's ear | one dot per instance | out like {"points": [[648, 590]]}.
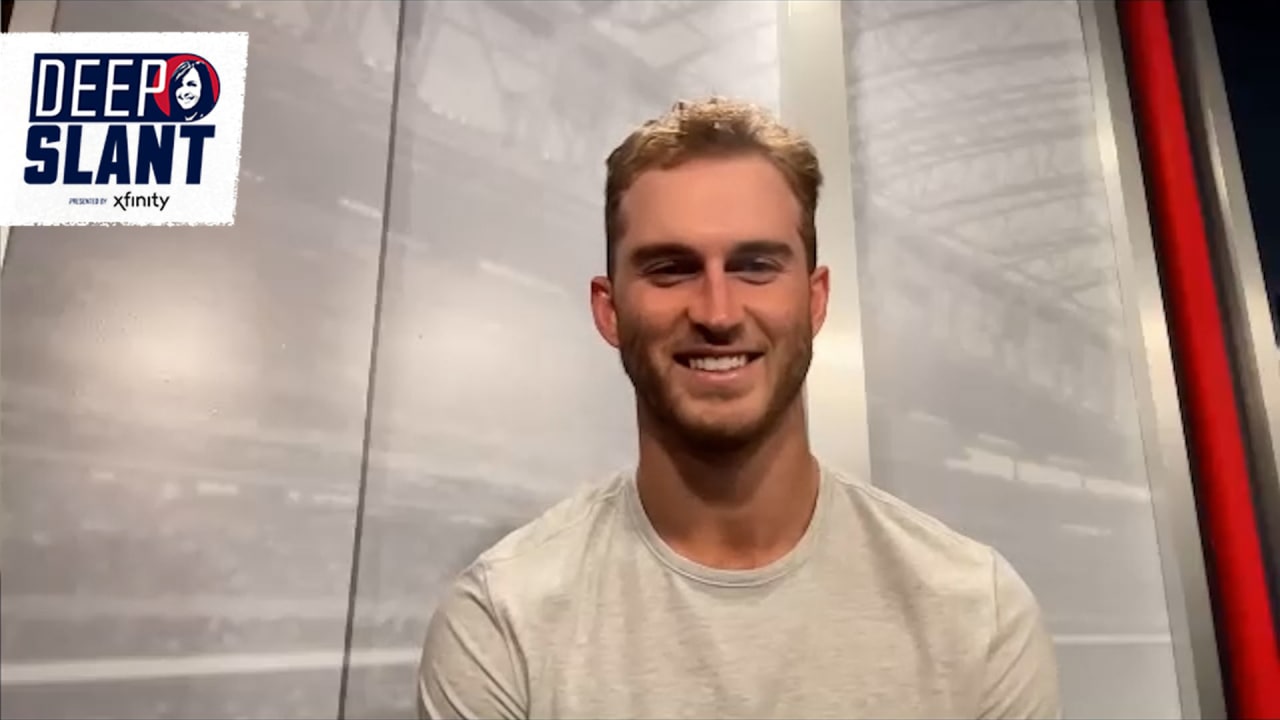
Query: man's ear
{"points": [[819, 293], [602, 309]]}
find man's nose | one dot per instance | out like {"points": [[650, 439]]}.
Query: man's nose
{"points": [[715, 306]]}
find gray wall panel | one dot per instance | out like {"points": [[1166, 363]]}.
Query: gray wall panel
{"points": [[183, 408], [1001, 393], [494, 396]]}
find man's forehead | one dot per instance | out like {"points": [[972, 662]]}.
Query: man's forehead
{"points": [[709, 212], [711, 176], [712, 246]]}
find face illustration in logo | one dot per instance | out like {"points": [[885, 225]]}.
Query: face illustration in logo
{"points": [[188, 91], [192, 91]]}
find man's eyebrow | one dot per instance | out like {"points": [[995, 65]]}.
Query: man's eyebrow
{"points": [[669, 249], [774, 248], [656, 251]]}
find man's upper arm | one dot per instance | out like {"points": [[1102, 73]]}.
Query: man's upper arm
{"points": [[1021, 671], [468, 668]]}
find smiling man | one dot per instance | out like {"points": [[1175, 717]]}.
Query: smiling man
{"points": [[731, 574]]}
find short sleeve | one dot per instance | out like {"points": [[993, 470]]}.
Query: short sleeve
{"points": [[1021, 675], [468, 667]]}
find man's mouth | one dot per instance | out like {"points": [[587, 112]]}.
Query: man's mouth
{"points": [[718, 362]]}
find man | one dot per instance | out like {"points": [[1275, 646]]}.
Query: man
{"points": [[731, 575]]}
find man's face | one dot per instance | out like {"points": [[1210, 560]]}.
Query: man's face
{"points": [[712, 306]]}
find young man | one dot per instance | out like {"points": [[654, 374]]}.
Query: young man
{"points": [[731, 575]]}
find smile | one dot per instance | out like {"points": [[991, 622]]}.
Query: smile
{"points": [[716, 363]]}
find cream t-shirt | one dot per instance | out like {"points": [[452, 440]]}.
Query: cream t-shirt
{"points": [[879, 612]]}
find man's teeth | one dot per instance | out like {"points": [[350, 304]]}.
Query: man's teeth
{"points": [[718, 364]]}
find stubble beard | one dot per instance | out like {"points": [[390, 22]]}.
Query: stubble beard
{"points": [[655, 392]]}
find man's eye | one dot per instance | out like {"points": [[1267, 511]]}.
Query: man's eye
{"points": [[669, 270], [758, 269], [759, 265]]}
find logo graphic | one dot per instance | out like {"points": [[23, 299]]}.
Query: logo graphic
{"points": [[193, 88], [121, 128]]}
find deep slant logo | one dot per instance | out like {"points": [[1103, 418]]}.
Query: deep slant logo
{"points": [[134, 137], [133, 95]]}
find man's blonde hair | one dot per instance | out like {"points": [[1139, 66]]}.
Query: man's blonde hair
{"points": [[715, 127]]}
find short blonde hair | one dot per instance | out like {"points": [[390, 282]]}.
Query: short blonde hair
{"points": [[710, 128]]}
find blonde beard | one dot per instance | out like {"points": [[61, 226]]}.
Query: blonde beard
{"points": [[653, 392]]}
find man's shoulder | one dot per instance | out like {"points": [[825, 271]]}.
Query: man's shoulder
{"points": [[521, 584], [545, 550], [914, 541], [962, 595]]}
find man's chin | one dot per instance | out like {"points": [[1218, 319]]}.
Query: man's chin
{"points": [[719, 431]]}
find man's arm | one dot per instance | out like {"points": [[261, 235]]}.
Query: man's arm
{"points": [[1021, 679], [468, 667]]}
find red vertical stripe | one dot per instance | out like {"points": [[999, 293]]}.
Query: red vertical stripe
{"points": [[1199, 341]]}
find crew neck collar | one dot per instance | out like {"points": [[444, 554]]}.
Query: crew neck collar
{"points": [[794, 558]]}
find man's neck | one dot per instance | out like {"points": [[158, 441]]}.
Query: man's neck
{"points": [[732, 510]]}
